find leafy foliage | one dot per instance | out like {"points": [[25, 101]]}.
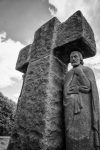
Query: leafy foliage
{"points": [[7, 113]]}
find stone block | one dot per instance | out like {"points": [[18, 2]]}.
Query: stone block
{"points": [[23, 59], [74, 33], [44, 39], [39, 119]]}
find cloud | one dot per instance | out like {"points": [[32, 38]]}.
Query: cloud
{"points": [[9, 51], [65, 8], [94, 62], [15, 97]]}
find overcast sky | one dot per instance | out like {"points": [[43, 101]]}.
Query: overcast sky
{"points": [[19, 19]]}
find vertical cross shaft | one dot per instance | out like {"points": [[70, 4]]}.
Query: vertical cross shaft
{"points": [[39, 124]]}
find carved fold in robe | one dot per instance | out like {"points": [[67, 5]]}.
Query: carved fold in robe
{"points": [[83, 104]]}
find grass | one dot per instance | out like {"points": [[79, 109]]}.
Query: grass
{"points": [[4, 140]]}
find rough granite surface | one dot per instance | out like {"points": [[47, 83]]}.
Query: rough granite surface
{"points": [[59, 39], [39, 122], [23, 59], [75, 33], [44, 39]]}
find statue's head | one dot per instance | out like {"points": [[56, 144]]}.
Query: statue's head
{"points": [[76, 58]]}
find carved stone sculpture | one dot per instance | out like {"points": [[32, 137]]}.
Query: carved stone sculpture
{"points": [[81, 107], [40, 120]]}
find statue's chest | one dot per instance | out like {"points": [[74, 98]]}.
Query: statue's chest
{"points": [[74, 81]]}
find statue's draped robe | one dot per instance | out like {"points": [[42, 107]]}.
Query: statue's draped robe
{"points": [[81, 112]]}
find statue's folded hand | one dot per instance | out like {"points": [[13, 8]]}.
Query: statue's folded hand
{"points": [[73, 90], [78, 71]]}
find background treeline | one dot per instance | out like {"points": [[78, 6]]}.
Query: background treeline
{"points": [[7, 113]]}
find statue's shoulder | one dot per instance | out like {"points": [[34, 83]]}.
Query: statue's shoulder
{"points": [[86, 68], [88, 71]]}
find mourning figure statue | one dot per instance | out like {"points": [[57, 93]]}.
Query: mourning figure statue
{"points": [[81, 106]]}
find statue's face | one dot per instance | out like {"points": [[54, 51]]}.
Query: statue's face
{"points": [[74, 59]]}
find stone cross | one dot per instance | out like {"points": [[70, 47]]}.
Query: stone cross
{"points": [[39, 121]]}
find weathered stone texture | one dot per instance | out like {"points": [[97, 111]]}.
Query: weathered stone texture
{"points": [[75, 33], [43, 39], [39, 124], [23, 59], [54, 130], [80, 133]]}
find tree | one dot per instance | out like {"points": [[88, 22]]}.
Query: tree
{"points": [[7, 113]]}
